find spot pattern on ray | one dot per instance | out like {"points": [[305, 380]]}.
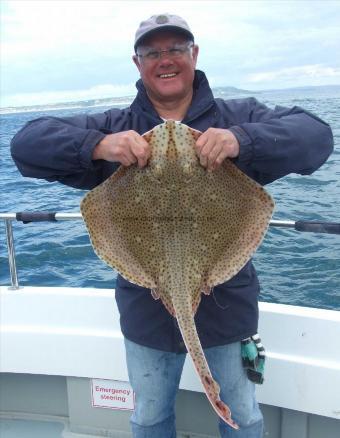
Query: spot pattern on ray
{"points": [[179, 230]]}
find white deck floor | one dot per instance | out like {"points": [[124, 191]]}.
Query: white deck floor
{"points": [[10, 428], [56, 340], [18, 428]]}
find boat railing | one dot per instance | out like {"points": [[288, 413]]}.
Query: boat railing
{"points": [[37, 216]]}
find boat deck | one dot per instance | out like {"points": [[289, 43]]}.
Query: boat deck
{"points": [[51, 355], [19, 428], [15, 428], [11, 428]]}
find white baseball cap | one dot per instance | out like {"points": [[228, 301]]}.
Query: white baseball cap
{"points": [[162, 22]]}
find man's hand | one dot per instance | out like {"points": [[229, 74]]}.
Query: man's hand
{"points": [[215, 145], [126, 147]]}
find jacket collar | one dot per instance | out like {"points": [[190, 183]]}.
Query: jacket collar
{"points": [[202, 100]]}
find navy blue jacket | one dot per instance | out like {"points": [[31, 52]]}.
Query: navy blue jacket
{"points": [[273, 143]]}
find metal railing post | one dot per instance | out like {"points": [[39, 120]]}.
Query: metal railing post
{"points": [[11, 254]]}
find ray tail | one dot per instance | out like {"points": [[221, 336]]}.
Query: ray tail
{"points": [[188, 330]]}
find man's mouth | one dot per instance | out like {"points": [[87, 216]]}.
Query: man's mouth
{"points": [[167, 75]]}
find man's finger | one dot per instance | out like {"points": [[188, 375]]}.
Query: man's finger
{"points": [[128, 158], [206, 151], [141, 150], [200, 143], [142, 162], [219, 159], [214, 153]]}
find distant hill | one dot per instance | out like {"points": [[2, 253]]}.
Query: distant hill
{"points": [[120, 102], [229, 92], [325, 88]]}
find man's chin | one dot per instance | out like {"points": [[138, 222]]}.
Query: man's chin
{"points": [[170, 93]]}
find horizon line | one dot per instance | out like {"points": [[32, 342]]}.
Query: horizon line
{"points": [[68, 104]]}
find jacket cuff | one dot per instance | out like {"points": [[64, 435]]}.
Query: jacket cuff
{"points": [[245, 142], [85, 152]]}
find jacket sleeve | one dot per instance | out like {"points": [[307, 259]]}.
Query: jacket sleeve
{"points": [[60, 149], [276, 142]]}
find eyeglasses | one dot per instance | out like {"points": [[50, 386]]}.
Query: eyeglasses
{"points": [[174, 52]]}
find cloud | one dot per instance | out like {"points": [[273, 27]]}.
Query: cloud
{"points": [[313, 74], [52, 46], [42, 98], [35, 28]]}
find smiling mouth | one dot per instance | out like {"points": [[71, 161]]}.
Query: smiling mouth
{"points": [[167, 75]]}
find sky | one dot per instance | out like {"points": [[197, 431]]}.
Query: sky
{"points": [[69, 50]]}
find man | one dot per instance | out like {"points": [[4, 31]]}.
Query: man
{"points": [[83, 151]]}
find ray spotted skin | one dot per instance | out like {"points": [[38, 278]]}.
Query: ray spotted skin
{"points": [[179, 230]]}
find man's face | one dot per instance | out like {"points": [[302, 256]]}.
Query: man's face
{"points": [[167, 78]]}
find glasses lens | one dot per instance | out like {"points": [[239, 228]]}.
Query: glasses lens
{"points": [[174, 52], [153, 54]]}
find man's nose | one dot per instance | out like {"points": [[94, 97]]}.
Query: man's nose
{"points": [[164, 57], [164, 53]]}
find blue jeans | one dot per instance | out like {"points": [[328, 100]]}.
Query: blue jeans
{"points": [[154, 376]]}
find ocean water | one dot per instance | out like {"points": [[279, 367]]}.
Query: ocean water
{"points": [[294, 268]]}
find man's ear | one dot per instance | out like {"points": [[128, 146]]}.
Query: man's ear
{"points": [[136, 61]]}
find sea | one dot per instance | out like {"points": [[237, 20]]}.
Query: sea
{"points": [[295, 268]]}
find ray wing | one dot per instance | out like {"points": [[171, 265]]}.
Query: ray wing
{"points": [[233, 223], [222, 215], [130, 215]]}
